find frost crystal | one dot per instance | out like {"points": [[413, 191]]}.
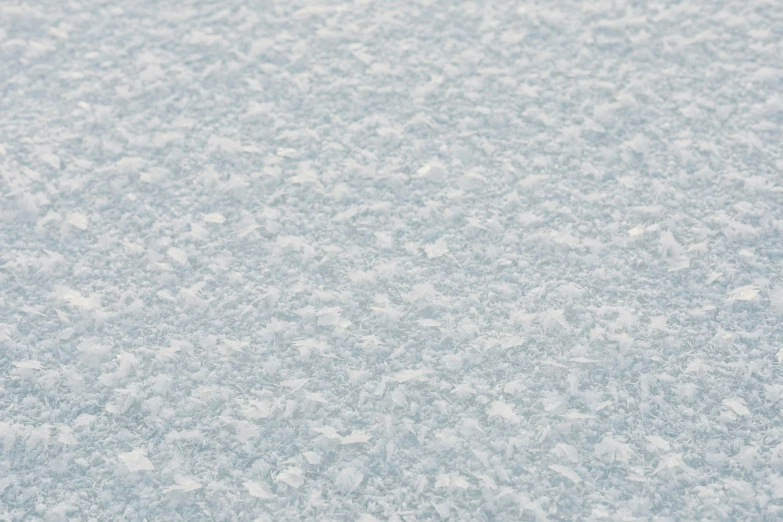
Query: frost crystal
{"points": [[136, 460], [391, 261]]}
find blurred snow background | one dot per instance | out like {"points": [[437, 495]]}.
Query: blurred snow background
{"points": [[391, 260]]}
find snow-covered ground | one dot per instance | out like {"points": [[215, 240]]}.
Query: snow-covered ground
{"points": [[391, 260]]}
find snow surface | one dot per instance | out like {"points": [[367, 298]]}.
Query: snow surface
{"points": [[391, 261]]}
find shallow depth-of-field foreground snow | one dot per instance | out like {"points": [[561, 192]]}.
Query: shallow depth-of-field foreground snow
{"points": [[391, 260]]}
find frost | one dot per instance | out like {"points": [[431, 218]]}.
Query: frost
{"points": [[658, 443], [512, 342], [613, 450], [316, 397], [776, 300], [349, 479], [737, 406], [77, 300], [409, 375], [178, 255], [670, 462], [312, 457], [388, 314], [292, 476], [677, 264], [451, 480], [391, 260], [78, 220], [328, 432], [329, 316], [83, 420], [214, 217], [472, 181], [777, 488], [294, 384], [65, 436], [29, 365], [356, 437], [565, 451], [744, 293], [136, 460], [566, 472], [184, 484], [502, 410], [433, 171], [658, 324], [575, 415], [257, 490], [436, 249]]}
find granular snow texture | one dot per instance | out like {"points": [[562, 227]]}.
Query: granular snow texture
{"points": [[391, 261]]}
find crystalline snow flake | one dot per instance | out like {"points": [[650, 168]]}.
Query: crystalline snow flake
{"points": [[328, 432], [436, 249], [434, 172], [349, 479], [356, 437], [257, 490], [566, 472], [737, 406], [178, 255], [292, 476], [136, 460], [29, 365], [184, 484], [744, 293], [502, 410], [78, 220], [214, 217], [408, 375]]}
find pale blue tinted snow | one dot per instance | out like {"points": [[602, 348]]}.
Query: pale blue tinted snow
{"points": [[394, 261]]}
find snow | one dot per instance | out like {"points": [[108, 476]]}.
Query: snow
{"points": [[214, 217], [78, 220], [184, 484], [292, 477], [349, 479], [136, 460], [744, 293], [257, 490], [391, 261], [566, 472]]}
